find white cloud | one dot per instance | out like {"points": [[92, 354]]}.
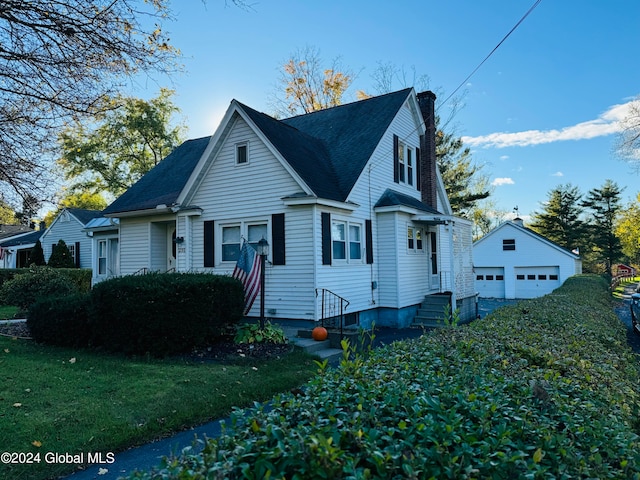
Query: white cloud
{"points": [[504, 157], [502, 181], [606, 124], [557, 174]]}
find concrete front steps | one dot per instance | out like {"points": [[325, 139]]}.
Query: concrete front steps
{"points": [[321, 349], [431, 312]]}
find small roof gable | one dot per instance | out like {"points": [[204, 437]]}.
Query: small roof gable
{"points": [[528, 231], [163, 183], [391, 198]]}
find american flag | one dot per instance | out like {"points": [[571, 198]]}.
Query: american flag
{"points": [[248, 272]]}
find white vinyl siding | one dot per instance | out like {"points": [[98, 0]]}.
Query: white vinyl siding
{"points": [[251, 195], [68, 229], [134, 245]]}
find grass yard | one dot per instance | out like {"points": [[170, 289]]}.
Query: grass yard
{"points": [[619, 290], [74, 401], [7, 312]]}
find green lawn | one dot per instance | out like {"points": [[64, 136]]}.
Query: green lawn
{"points": [[7, 312], [74, 401], [619, 290]]}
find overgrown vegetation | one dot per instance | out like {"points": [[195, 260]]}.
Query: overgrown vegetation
{"points": [[543, 389], [252, 333], [34, 283], [67, 400]]}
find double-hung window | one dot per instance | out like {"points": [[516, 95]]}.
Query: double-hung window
{"points": [[346, 241], [401, 161], [234, 234], [414, 239]]}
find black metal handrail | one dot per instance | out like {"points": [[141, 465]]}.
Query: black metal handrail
{"points": [[333, 307]]}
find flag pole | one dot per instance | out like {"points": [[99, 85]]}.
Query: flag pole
{"points": [[263, 250]]}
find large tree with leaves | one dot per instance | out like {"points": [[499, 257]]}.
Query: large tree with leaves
{"points": [[628, 231], [561, 218], [60, 61], [121, 145], [603, 204]]}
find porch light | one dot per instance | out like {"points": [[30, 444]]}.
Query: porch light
{"points": [[262, 247]]}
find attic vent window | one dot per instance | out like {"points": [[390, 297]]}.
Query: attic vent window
{"points": [[509, 244], [242, 153]]}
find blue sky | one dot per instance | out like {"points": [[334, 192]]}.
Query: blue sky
{"points": [[541, 111]]}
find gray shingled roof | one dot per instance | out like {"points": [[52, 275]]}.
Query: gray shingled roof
{"points": [[328, 149], [391, 198], [25, 239], [84, 215], [163, 183]]}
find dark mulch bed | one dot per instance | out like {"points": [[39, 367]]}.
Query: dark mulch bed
{"points": [[222, 350]]}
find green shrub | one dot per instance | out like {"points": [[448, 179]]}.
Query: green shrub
{"points": [[543, 389], [252, 333], [35, 283], [61, 256], [162, 314], [79, 277], [7, 274], [61, 321], [36, 257]]}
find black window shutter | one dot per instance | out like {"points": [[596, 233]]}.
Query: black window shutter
{"points": [[418, 170], [77, 254], [396, 161], [369, 239], [326, 238], [277, 237], [209, 244]]}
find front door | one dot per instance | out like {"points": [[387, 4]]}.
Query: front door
{"points": [[433, 261], [171, 248]]}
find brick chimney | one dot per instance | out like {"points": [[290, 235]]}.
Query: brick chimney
{"points": [[428, 163]]}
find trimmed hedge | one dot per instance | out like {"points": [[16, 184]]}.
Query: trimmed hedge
{"points": [[79, 277], [161, 314], [543, 389], [34, 283], [7, 274], [62, 321]]}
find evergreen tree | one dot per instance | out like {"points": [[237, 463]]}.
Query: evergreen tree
{"points": [[604, 205], [61, 256], [37, 255], [560, 221]]}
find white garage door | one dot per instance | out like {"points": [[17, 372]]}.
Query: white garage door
{"points": [[489, 282], [533, 282]]}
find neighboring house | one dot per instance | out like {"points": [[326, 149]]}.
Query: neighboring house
{"points": [[349, 199], [15, 250], [104, 234], [513, 261], [622, 270], [69, 226]]}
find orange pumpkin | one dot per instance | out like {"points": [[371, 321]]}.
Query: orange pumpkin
{"points": [[319, 334]]}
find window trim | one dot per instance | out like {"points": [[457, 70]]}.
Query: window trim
{"points": [[243, 225], [415, 240], [238, 146], [348, 259]]}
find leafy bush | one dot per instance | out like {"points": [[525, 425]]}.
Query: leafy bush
{"points": [[35, 283], [61, 321], [543, 389], [7, 274], [79, 277], [36, 257], [162, 314], [252, 333]]}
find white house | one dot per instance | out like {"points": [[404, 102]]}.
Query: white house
{"points": [[348, 198], [69, 226], [513, 261], [15, 250]]}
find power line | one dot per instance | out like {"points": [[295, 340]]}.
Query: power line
{"points": [[531, 9]]}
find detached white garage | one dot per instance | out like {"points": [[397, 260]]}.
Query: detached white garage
{"points": [[513, 261]]}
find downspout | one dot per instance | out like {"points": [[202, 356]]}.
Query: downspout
{"points": [[314, 258], [454, 296]]}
